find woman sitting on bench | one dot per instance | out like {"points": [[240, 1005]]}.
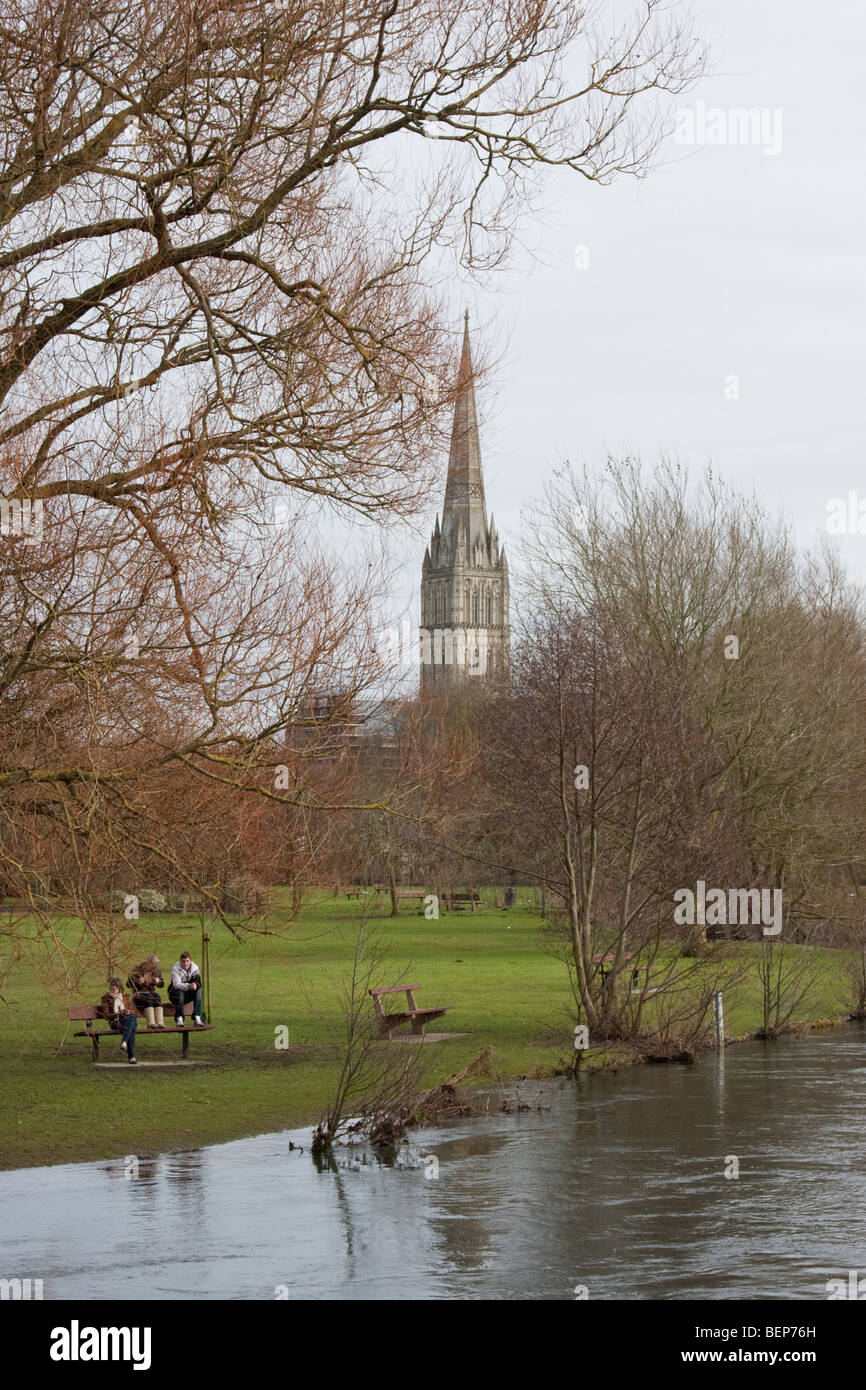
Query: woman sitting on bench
{"points": [[119, 1010], [143, 983]]}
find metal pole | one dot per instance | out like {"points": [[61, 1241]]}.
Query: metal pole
{"points": [[720, 1019], [205, 960]]}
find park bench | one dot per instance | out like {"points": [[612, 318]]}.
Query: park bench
{"points": [[418, 1018], [416, 894], [608, 958], [459, 902], [88, 1014]]}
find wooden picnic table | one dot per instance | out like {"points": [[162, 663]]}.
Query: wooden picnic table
{"points": [[418, 1018]]}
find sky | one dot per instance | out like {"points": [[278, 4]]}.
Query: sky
{"points": [[724, 262]]}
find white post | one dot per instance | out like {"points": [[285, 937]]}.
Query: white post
{"points": [[720, 1019]]}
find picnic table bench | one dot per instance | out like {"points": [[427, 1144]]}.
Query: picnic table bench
{"points": [[417, 1017], [458, 902], [88, 1014]]}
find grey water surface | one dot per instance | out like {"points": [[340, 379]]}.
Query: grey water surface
{"points": [[616, 1185]]}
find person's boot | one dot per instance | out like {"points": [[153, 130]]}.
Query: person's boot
{"points": [[148, 1014], [160, 1022]]}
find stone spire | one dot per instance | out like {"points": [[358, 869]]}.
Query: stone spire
{"points": [[464, 508], [464, 573]]}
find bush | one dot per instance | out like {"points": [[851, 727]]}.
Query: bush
{"points": [[149, 900]]}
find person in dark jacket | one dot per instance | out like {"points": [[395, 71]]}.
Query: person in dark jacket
{"points": [[119, 1011], [143, 983]]}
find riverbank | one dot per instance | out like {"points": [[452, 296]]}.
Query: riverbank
{"points": [[508, 991]]}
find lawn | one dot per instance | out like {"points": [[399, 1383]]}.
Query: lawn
{"points": [[509, 992]]}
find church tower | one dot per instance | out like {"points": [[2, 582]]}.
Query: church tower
{"points": [[464, 577]]}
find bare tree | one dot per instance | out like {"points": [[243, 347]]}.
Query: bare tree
{"points": [[671, 719], [223, 224], [787, 975], [376, 1082]]}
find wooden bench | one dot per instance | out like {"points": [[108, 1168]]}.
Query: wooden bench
{"points": [[458, 902], [418, 1018], [416, 894], [88, 1013], [603, 958]]}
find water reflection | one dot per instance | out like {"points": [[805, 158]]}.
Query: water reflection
{"points": [[623, 1184]]}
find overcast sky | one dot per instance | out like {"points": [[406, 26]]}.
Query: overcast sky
{"points": [[724, 262]]}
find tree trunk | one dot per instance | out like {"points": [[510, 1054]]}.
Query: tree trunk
{"points": [[392, 884]]}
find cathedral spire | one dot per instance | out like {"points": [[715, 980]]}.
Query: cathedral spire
{"points": [[464, 507], [464, 577]]}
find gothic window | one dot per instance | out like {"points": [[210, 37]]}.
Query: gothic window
{"points": [[489, 611], [475, 608]]}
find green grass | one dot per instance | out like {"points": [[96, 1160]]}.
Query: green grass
{"points": [[507, 990]]}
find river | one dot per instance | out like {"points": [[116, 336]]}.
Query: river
{"points": [[614, 1187]]}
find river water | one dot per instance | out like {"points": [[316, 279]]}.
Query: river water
{"points": [[616, 1186]]}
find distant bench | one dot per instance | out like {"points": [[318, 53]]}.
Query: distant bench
{"points": [[413, 894], [418, 1018], [88, 1014], [603, 959], [459, 902]]}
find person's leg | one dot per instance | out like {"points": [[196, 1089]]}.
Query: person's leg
{"points": [[176, 997], [149, 1015], [130, 1027], [196, 1012], [159, 1021]]}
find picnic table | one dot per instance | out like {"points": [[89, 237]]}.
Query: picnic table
{"points": [[418, 1018]]}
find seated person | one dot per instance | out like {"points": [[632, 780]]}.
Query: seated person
{"points": [[143, 983], [186, 987], [119, 1010]]}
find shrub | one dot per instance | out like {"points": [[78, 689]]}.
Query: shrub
{"points": [[149, 900]]}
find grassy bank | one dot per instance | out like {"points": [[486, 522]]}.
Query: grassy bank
{"points": [[507, 990]]}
